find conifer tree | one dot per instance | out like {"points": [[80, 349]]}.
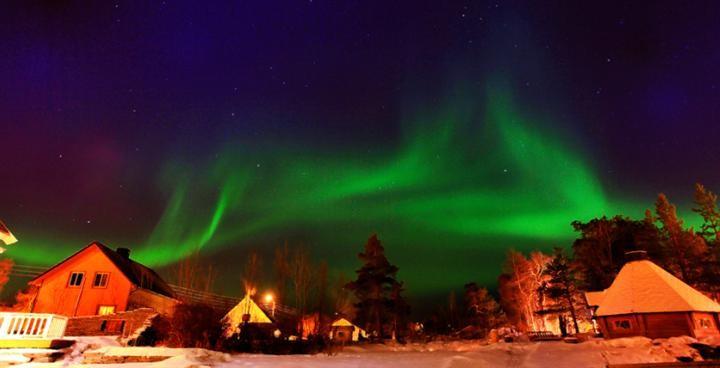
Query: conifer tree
{"points": [[376, 289], [599, 252], [706, 206], [562, 284], [685, 248]]}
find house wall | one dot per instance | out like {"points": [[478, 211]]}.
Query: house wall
{"points": [[56, 296], [667, 325], [343, 334], [705, 324], [609, 330], [652, 325], [123, 324]]}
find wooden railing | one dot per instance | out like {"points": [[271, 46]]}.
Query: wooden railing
{"points": [[31, 326]]}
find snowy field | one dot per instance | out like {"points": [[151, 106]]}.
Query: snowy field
{"points": [[446, 355]]}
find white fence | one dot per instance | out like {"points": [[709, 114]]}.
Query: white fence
{"points": [[31, 326]]}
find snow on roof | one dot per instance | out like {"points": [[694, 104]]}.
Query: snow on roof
{"points": [[594, 298], [643, 287], [246, 306], [343, 322]]}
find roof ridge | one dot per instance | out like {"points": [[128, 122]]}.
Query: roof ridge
{"points": [[644, 287], [671, 283]]}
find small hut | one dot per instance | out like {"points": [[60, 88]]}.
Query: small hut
{"points": [[246, 312], [645, 300], [342, 330]]}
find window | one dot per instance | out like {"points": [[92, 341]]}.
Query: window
{"points": [[104, 310], [101, 279], [76, 279], [704, 323], [622, 324]]}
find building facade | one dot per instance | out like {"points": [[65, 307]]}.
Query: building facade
{"points": [[97, 280], [645, 300]]}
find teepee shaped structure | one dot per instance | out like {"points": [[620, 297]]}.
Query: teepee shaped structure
{"points": [[646, 300], [246, 311]]}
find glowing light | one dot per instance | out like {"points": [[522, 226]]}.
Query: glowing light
{"points": [[268, 298], [463, 182]]}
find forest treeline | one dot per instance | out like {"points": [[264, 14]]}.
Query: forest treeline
{"points": [[533, 290], [538, 287]]}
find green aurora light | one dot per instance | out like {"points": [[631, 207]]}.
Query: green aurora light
{"points": [[464, 185]]}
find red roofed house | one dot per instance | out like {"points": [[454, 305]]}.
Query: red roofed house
{"points": [[100, 281], [645, 300]]}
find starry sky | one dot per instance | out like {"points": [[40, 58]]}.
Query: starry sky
{"points": [[455, 130]]}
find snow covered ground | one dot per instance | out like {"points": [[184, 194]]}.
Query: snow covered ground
{"points": [[458, 354]]}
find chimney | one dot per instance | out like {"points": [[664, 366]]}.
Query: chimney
{"points": [[636, 255], [124, 252]]}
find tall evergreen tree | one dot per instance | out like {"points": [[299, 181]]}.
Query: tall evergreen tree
{"points": [[685, 248], [599, 252], [562, 284], [706, 206], [375, 288]]}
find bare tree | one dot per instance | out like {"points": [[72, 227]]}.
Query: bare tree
{"points": [[191, 273], [251, 272], [300, 269], [281, 264], [342, 297]]}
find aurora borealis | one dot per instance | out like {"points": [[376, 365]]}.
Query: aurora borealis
{"points": [[455, 131]]}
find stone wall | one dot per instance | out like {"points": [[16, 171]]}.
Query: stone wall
{"points": [[123, 324]]}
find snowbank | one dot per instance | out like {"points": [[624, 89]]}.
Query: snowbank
{"points": [[450, 354]]}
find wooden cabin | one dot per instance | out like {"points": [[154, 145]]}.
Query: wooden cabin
{"points": [[645, 300], [97, 280]]}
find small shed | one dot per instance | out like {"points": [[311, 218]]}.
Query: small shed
{"points": [[342, 330], [646, 300]]}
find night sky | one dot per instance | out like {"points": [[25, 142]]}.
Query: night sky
{"points": [[455, 130]]}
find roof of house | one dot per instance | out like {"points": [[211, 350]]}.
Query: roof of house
{"points": [[594, 298], [343, 322], [138, 274], [643, 287]]}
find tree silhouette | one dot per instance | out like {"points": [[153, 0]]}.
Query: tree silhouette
{"points": [[376, 289]]}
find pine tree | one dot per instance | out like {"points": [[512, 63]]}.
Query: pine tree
{"points": [[599, 252], [562, 284], [706, 206], [684, 248], [375, 288]]}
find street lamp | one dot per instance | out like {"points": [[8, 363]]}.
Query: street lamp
{"points": [[269, 298]]}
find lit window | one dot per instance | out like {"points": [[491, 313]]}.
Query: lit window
{"points": [[101, 279], [76, 279], [104, 310], [623, 324]]}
